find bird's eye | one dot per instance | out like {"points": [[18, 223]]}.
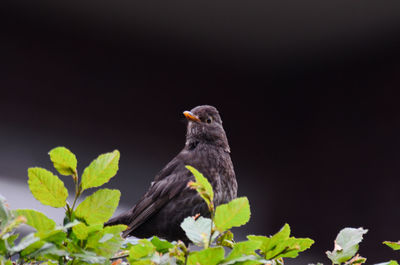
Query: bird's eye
{"points": [[209, 120]]}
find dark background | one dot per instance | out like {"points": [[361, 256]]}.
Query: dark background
{"points": [[307, 91]]}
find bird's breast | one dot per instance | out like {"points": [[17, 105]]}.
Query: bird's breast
{"points": [[216, 165]]}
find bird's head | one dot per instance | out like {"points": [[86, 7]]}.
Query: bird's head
{"points": [[205, 126]]}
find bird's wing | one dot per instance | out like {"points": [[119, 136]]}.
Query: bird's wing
{"points": [[160, 192], [170, 168]]}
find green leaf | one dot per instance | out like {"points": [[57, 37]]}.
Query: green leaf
{"points": [[50, 262], [202, 186], [208, 256], [89, 257], [356, 260], [246, 260], [100, 171], [98, 207], [393, 245], [268, 244], [295, 245], [147, 261], [64, 160], [47, 188], [56, 236], [24, 243], [233, 214], [5, 213], [281, 245], [198, 230], [36, 219], [46, 251], [226, 240], [107, 241], [161, 245], [9, 241], [68, 225], [243, 248], [143, 249], [81, 231], [346, 244]]}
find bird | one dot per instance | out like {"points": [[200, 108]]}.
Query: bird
{"points": [[169, 200]]}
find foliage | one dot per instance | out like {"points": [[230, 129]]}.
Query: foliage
{"points": [[83, 239], [346, 246]]}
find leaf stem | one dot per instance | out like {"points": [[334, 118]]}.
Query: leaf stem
{"points": [[212, 213], [78, 189], [211, 229], [77, 194], [185, 250]]}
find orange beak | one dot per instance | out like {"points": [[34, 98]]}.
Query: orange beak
{"points": [[190, 116]]}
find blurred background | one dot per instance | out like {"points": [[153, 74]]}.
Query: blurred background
{"points": [[308, 92]]}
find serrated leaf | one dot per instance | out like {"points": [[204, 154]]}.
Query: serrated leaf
{"points": [[202, 186], [346, 244], [198, 230], [243, 248], [392, 245], [107, 241], [281, 245], [36, 219], [161, 245], [208, 256], [46, 187], [101, 170], [293, 246], [98, 207], [63, 160], [144, 248], [233, 214], [269, 243]]}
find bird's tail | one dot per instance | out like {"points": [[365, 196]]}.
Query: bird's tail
{"points": [[122, 219]]}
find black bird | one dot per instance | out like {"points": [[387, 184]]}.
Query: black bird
{"points": [[169, 200]]}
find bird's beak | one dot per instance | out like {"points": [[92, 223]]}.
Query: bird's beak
{"points": [[190, 116]]}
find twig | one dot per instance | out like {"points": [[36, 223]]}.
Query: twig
{"points": [[119, 257]]}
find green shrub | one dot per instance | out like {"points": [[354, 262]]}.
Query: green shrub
{"points": [[82, 238]]}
